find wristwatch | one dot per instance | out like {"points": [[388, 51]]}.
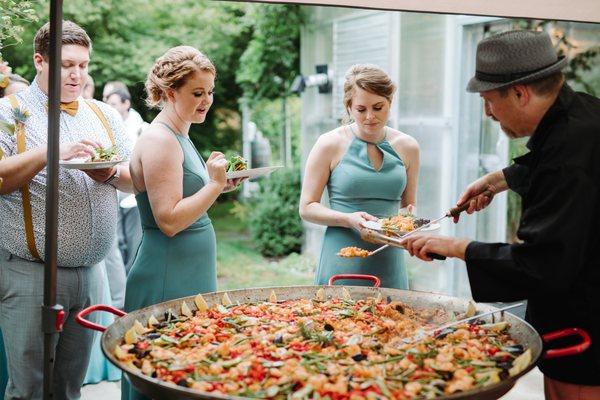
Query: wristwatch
{"points": [[115, 177]]}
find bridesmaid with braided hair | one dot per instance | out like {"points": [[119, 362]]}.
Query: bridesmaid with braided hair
{"points": [[175, 188]]}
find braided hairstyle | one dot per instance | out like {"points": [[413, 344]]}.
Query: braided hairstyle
{"points": [[171, 71]]}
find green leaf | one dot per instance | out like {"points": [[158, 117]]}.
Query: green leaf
{"points": [[7, 128]]}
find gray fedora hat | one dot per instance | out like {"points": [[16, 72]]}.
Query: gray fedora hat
{"points": [[514, 57]]}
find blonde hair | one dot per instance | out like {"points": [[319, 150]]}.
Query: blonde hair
{"points": [[367, 77], [171, 71]]}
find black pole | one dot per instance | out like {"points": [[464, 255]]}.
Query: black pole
{"points": [[52, 313]]}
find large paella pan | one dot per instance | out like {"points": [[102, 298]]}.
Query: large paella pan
{"points": [[114, 335]]}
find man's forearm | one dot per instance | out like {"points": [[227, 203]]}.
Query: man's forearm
{"points": [[19, 169]]}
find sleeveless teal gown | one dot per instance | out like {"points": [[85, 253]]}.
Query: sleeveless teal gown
{"points": [[354, 185], [169, 268], [3, 368]]}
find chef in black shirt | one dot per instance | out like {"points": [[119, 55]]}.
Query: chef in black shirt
{"points": [[556, 264]]}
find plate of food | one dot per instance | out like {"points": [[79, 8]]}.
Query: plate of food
{"points": [[400, 224], [238, 168], [103, 158]]}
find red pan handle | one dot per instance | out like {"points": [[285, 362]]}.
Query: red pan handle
{"points": [[80, 318], [376, 281], [567, 351]]}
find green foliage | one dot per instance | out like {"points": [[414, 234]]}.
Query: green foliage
{"points": [[268, 116], [14, 16], [582, 72], [251, 45], [271, 60], [275, 225]]}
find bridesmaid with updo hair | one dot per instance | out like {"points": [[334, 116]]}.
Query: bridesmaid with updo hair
{"points": [[370, 170], [175, 188]]}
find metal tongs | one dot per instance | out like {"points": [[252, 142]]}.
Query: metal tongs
{"points": [[437, 331]]}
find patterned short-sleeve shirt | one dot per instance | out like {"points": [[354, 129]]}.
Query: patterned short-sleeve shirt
{"points": [[87, 215]]}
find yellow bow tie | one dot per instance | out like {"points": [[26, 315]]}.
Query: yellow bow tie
{"points": [[70, 108]]}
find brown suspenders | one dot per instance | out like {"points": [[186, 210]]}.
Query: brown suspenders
{"points": [[21, 148]]}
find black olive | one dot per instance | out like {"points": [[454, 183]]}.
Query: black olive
{"points": [[153, 335], [441, 385], [399, 308], [139, 353], [163, 324], [278, 339], [328, 327], [359, 357], [505, 365], [503, 374], [184, 383], [420, 222], [443, 333], [170, 316], [389, 299], [154, 374]]}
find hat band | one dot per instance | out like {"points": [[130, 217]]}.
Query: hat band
{"points": [[505, 78]]}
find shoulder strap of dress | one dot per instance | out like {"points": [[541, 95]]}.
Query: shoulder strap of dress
{"points": [[103, 119], [25, 196], [168, 127]]}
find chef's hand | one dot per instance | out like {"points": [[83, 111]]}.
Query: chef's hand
{"points": [[420, 245], [355, 220], [232, 184], [492, 183]]}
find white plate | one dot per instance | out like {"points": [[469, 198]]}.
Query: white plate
{"points": [[80, 163], [376, 226], [251, 173], [128, 202]]}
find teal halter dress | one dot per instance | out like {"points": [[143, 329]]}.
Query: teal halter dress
{"points": [[167, 268], [355, 185]]}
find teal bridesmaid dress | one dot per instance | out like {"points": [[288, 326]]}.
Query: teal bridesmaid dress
{"points": [[167, 268], [355, 185], [3, 368]]}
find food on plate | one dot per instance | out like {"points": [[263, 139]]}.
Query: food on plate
{"points": [[102, 155], [236, 163], [336, 348], [349, 252], [402, 223]]}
